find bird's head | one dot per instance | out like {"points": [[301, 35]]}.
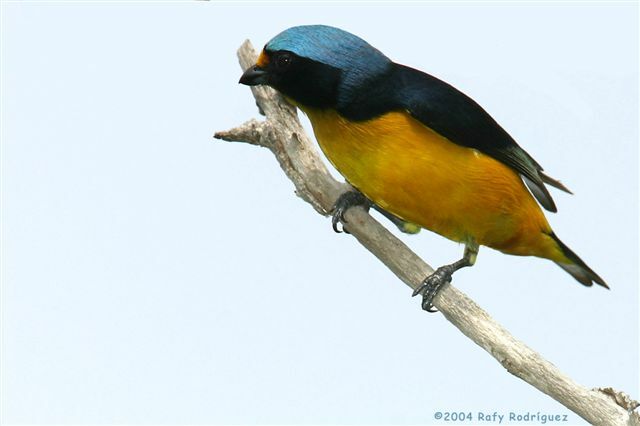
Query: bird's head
{"points": [[316, 65]]}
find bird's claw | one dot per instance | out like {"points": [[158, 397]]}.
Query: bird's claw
{"points": [[432, 285], [345, 202]]}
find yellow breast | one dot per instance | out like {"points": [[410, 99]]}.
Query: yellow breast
{"points": [[422, 177]]}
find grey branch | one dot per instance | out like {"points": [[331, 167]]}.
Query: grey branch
{"points": [[282, 133]]}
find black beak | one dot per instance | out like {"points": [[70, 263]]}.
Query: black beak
{"points": [[254, 76]]}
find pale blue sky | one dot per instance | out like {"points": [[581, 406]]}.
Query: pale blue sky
{"points": [[153, 275]]}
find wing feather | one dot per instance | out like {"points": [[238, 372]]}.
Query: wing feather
{"points": [[460, 119]]}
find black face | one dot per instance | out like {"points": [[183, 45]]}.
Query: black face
{"points": [[307, 82]]}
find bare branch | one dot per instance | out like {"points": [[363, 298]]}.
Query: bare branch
{"points": [[299, 159], [249, 132]]}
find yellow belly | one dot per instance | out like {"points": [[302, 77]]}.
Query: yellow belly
{"points": [[421, 177]]}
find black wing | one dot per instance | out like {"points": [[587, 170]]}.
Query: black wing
{"points": [[460, 119], [453, 115]]}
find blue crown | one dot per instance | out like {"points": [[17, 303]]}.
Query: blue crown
{"points": [[332, 46]]}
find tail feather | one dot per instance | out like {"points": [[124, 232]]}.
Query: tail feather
{"points": [[577, 268]]}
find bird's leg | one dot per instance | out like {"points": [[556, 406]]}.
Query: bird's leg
{"points": [[356, 198], [404, 226], [345, 201], [441, 276]]}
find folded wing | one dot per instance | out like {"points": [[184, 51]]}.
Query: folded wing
{"points": [[454, 115]]}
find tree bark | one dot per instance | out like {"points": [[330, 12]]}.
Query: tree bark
{"points": [[282, 133]]}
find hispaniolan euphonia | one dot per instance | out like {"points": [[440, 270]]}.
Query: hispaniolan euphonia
{"points": [[416, 148]]}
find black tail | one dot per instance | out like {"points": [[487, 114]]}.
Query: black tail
{"points": [[578, 269]]}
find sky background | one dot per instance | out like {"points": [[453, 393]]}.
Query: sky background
{"points": [[153, 275]]}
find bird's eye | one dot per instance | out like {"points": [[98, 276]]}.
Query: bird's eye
{"points": [[283, 61]]}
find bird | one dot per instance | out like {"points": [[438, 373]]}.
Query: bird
{"points": [[417, 149]]}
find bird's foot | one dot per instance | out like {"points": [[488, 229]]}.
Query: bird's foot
{"points": [[432, 285], [345, 202]]}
